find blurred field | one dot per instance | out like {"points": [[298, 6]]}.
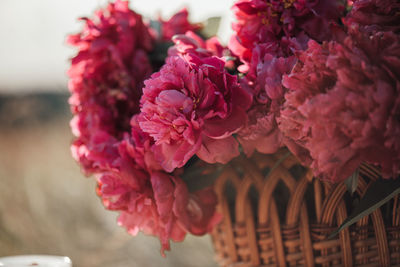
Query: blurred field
{"points": [[48, 207]]}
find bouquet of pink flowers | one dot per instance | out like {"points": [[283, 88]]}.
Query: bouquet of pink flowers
{"points": [[320, 77]]}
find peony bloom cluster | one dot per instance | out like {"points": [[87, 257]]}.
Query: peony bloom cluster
{"points": [[343, 103], [151, 200], [106, 80], [321, 82], [260, 21], [307, 60], [267, 36], [193, 106], [376, 15], [269, 62]]}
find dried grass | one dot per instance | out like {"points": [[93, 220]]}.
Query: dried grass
{"points": [[48, 207]]}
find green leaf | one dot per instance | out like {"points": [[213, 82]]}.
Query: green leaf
{"points": [[230, 58], [156, 25], [352, 182], [159, 53], [377, 194], [199, 175], [211, 26]]}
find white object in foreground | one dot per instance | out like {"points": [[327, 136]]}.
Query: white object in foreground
{"points": [[35, 260]]}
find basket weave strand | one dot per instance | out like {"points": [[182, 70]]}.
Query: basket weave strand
{"points": [[277, 214]]}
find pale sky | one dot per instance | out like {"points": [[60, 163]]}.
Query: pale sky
{"points": [[33, 54]]}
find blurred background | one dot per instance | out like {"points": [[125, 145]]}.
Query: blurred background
{"points": [[46, 205]]}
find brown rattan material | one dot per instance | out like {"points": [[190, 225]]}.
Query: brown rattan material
{"points": [[277, 214]]}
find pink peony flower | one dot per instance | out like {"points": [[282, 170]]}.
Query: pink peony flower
{"points": [[150, 200], [145, 202], [267, 36], [195, 211], [376, 15], [105, 81], [264, 80], [191, 46], [193, 106], [260, 21], [342, 107], [177, 24], [178, 212]]}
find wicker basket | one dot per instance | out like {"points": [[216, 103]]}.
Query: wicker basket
{"points": [[276, 214]]}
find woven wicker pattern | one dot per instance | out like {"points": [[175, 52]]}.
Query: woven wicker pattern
{"points": [[276, 214]]}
